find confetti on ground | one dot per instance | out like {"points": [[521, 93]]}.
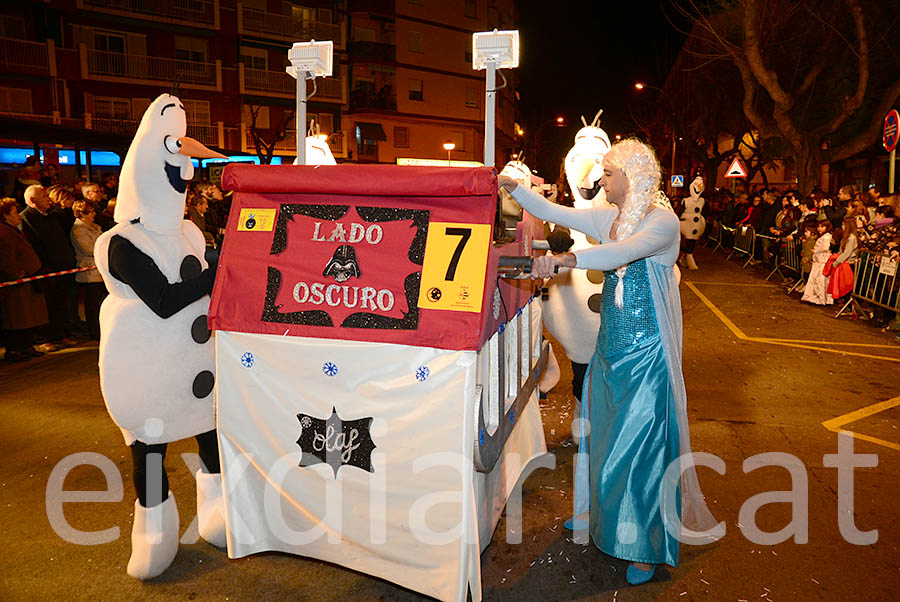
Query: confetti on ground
{"points": [[814, 581], [683, 594], [705, 581]]}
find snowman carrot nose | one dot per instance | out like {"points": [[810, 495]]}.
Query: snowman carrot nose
{"points": [[584, 168], [194, 148]]}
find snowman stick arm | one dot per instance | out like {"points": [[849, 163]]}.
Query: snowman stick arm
{"points": [[135, 268]]}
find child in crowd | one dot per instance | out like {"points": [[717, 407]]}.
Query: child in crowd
{"points": [[816, 290]]}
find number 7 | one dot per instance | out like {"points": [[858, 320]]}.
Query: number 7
{"points": [[466, 234]]}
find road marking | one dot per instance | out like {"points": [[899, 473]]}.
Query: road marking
{"points": [[835, 424], [877, 345], [732, 284], [782, 342]]}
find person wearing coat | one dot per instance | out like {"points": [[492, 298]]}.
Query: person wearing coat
{"points": [[50, 240], [84, 235], [22, 307]]}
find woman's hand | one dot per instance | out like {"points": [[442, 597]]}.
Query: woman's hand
{"points": [[546, 265], [507, 183]]}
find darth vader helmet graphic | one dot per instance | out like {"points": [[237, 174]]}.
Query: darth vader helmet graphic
{"points": [[342, 266]]}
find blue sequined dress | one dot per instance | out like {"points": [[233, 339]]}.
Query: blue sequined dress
{"points": [[634, 435]]}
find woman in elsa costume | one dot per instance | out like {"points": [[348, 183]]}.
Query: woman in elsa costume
{"points": [[644, 492]]}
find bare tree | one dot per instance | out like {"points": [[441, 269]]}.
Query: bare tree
{"points": [[265, 139], [808, 73]]}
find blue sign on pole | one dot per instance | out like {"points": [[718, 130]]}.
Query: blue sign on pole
{"points": [[677, 181]]}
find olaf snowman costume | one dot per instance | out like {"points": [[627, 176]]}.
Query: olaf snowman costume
{"points": [[156, 352], [692, 222]]}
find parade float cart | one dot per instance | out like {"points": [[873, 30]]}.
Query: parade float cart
{"points": [[376, 377]]}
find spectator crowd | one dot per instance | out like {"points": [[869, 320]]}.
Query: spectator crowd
{"points": [[830, 230], [49, 226]]}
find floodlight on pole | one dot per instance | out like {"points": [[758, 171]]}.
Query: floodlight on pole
{"points": [[309, 60], [492, 50], [639, 86]]}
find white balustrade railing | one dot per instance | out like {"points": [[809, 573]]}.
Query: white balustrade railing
{"points": [[283, 26], [193, 12], [23, 54], [134, 66], [279, 82]]}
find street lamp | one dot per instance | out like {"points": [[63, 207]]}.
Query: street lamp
{"points": [[640, 86], [449, 146]]}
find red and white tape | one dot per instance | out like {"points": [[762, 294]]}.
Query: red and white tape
{"points": [[42, 276]]}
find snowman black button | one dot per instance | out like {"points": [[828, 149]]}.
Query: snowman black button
{"points": [[190, 267], [203, 384], [200, 331]]}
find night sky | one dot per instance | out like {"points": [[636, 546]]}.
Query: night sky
{"points": [[578, 56]]}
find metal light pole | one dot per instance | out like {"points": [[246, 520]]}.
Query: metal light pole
{"points": [[449, 146]]}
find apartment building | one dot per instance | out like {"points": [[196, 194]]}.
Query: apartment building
{"points": [[411, 82], [402, 83]]}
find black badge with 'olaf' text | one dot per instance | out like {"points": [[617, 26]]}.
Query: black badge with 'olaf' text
{"points": [[336, 442]]}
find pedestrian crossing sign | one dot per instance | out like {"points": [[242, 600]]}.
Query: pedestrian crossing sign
{"points": [[677, 181], [736, 169]]}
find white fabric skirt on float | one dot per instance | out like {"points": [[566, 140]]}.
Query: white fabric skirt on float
{"points": [[361, 454]]}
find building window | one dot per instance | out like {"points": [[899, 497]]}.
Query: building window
{"points": [[109, 107], [415, 89], [15, 100], [416, 2], [109, 41], [12, 27], [414, 42], [190, 49], [197, 111], [254, 58], [366, 148], [472, 97], [471, 9], [401, 137]]}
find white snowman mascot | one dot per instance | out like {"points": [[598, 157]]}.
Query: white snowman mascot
{"points": [[692, 222], [156, 353]]}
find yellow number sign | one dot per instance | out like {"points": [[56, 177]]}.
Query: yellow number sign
{"points": [[454, 268], [256, 220]]}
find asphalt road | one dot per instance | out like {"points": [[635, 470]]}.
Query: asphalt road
{"points": [[747, 395]]}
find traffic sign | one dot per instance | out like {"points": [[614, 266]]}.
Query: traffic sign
{"points": [[891, 130], [677, 181], [736, 169]]}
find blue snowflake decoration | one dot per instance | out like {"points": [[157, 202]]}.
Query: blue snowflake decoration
{"points": [[481, 434], [422, 373], [330, 369], [247, 360], [512, 416]]}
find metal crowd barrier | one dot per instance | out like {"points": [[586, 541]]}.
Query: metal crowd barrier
{"points": [[744, 242], [714, 234], [875, 281], [790, 258]]}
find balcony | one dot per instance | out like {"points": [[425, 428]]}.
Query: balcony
{"points": [[134, 68], [195, 13], [210, 134], [263, 82], [377, 51], [23, 56], [55, 119], [263, 24], [363, 99]]}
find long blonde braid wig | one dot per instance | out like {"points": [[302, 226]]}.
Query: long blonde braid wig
{"points": [[639, 164]]}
